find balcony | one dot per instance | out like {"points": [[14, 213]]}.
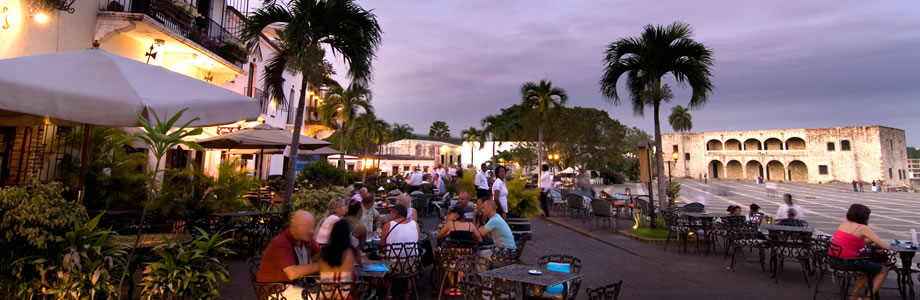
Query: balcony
{"points": [[265, 101], [180, 24]]}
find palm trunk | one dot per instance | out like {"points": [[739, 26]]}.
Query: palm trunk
{"points": [[342, 147], [662, 182], [683, 143], [539, 151], [493, 150], [295, 145], [471, 157]]}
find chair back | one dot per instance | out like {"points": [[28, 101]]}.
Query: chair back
{"points": [[419, 201], [335, 290], [792, 222], [448, 257], [264, 290], [645, 207], [254, 263], [745, 237], [674, 222], [735, 221], [475, 287], [607, 292], [602, 208], [406, 259], [755, 219], [575, 200], [573, 262], [794, 244], [693, 207], [556, 196]]}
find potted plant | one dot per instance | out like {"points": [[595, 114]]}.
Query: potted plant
{"points": [[523, 205]]}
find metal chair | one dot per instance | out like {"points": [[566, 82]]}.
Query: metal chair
{"points": [[791, 222], [335, 290], [746, 237], [476, 287], [607, 292], [574, 267], [793, 245], [676, 225], [264, 290], [693, 207], [603, 210], [722, 229], [559, 204], [576, 202], [826, 255], [420, 203], [406, 262], [454, 257]]}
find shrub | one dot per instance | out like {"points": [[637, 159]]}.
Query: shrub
{"points": [[467, 182], [191, 271], [232, 183], [522, 202], [673, 190], [321, 174], [427, 188], [34, 219], [389, 186], [315, 200]]}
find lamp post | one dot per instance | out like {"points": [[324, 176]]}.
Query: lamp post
{"points": [[673, 163], [552, 157]]}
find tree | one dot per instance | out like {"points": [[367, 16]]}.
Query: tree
{"points": [[504, 126], [659, 51], [542, 98], [439, 131], [913, 152], [401, 132], [313, 26], [472, 136], [341, 107], [368, 133], [681, 121]]}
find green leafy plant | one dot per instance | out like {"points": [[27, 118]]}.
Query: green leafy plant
{"points": [[467, 182], [190, 271], [522, 202], [85, 268], [427, 188], [321, 174], [232, 183], [112, 179], [316, 200], [673, 191], [34, 219], [389, 186], [185, 190]]}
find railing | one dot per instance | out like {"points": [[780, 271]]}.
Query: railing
{"points": [[263, 98], [183, 18]]}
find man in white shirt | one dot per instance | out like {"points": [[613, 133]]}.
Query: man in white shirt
{"points": [[783, 211], [415, 180], [452, 172], [482, 183], [546, 184], [439, 186], [441, 172]]}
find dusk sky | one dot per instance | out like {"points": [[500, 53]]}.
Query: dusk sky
{"points": [[778, 64]]}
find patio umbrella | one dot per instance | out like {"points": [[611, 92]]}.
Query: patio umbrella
{"points": [[260, 137]]}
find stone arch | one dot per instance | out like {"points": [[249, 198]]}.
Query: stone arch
{"points": [[714, 145], [732, 144], [716, 170], [734, 170], [753, 169], [773, 144], [795, 143], [752, 144], [798, 171], [775, 171]]}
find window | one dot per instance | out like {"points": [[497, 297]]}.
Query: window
{"points": [[686, 156], [890, 175], [675, 148], [844, 145], [830, 146], [822, 169]]}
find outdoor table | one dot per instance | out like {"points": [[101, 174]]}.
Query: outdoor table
{"points": [[705, 224], [905, 281], [704, 215], [519, 273], [150, 240], [770, 227]]}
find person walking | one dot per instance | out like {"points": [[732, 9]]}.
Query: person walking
{"points": [[784, 210], [546, 184], [855, 187], [861, 187], [705, 178]]}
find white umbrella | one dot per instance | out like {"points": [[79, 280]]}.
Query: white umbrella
{"points": [[99, 88], [261, 136]]}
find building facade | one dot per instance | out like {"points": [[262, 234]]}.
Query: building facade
{"points": [[438, 152], [814, 155]]}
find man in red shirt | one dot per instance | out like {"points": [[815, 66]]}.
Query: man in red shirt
{"points": [[289, 255]]}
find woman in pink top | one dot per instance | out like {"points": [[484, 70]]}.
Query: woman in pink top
{"points": [[852, 235]]}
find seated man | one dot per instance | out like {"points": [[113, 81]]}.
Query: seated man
{"points": [[289, 256], [496, 229], [463, 200]]}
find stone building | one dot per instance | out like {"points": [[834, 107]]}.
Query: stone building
{"points": [[814, 155], [439, 152]]}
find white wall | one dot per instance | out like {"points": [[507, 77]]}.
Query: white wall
{"points": [[480, 156]]}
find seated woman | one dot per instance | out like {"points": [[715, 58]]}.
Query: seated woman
{"points": [[852, 235], [734, 210], [457, 229], [406, 201], [338, 258], [335, 210], [358, 230]]}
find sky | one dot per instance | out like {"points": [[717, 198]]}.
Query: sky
{"points": [[778, 64]]}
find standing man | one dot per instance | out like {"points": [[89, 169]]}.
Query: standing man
{"points": [[415, 180], [861, 186], [783, 211], [705, 178], [482, 182], [855, 187], [289, 255], [546, 184]]}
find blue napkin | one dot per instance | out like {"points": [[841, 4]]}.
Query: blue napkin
{"points": [[375, 268]]}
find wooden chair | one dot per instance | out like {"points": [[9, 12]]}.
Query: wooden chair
{"points": [[607, 292], [602, 211]]}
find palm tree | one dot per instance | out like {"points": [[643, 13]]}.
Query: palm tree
{"points": [[341, 106], [542, 98], [369, 133], [439, 131], [472, 135], [497, 128], [345, 28], [659, 51], [681, 121], [401, 132]]}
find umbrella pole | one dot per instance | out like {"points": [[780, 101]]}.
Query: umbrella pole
{"points": [[261, 160], [84, 156]]}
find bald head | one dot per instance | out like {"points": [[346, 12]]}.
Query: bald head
{"points": [[301, 226]]}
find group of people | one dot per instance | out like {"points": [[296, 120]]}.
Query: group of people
{"points": [[858, 186], [438, 178]]}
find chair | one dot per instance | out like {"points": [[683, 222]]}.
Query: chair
{"points": [[693, 207], [574, 266], [505, 256], [607, 292], [407, 262], [420, 203], [335, 290], [576, 202], [676, 225], [827, 262], [602, 210], [722, 229], [790, 244], [791, 222], [746, 237], [559, 204], [449, 260], [264, 290], [755, 219], [476, 287]]}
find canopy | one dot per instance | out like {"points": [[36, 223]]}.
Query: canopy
{"points": [[99, 88], [568, 170], [261, 136], [320, 151]]}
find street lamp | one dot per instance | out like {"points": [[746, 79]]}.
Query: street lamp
{"points": [[671, 164]]}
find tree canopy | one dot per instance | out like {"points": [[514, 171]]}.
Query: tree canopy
{"points": [[439, 131]]}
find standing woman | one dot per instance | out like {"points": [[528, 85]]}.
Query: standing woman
{"points": [[852, 235], [500, 191]]}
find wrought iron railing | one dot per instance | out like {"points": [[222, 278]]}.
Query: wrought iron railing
{"points": [[183, 18], [263, 98]]}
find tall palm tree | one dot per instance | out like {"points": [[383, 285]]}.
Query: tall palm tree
{"points": [[542, 98], [341, 107], [401, 132], [473, 136], [369, 133], [658, 52], [348, 30], [681, 121], [439, 131]]}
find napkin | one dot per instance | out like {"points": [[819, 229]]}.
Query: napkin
{"points": [[375, 268]]}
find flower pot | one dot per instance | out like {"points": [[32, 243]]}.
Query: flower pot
{"points": [[520, 227]]}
